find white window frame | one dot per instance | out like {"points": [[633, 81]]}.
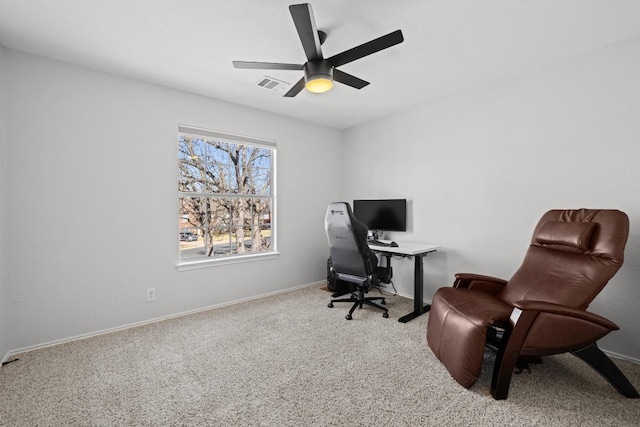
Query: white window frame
{"points": [[235, 258]]}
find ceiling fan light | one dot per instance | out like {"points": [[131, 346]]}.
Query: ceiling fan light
{"points": [[318, 76], [320, 84]]}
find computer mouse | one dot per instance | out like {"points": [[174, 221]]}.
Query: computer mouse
{"points": [[393, 244]]}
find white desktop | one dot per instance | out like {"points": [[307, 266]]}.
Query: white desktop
{"points": [[418, 251]]}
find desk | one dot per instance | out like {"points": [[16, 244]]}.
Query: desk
{"points": [[418, 251]]}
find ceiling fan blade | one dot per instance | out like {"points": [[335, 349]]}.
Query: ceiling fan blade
{"points": [[305, 23], [266, 65], [295, 89], [368, 48], [348, 79]]}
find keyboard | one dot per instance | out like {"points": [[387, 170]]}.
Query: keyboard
{"points": [[376, 243]]}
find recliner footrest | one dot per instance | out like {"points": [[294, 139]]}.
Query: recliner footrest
{"points": [[458, 338]]}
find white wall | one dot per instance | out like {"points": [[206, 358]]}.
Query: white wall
{"points": [[481, 167], [92, 201], [90, 192], [4, 348]]}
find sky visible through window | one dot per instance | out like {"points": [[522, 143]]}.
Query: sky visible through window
{"points": [[226, 200]]}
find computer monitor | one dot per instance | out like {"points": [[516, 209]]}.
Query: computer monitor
{"points": [[382, 214]]}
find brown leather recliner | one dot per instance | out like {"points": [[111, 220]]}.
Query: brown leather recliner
{"points": [[542, 310]]}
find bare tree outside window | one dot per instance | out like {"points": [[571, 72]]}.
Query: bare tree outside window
{"points": [[226, 197]]}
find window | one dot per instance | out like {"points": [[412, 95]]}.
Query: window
{"points": [[226, 196]]}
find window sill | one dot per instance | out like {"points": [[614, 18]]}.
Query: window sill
{"points": [[193, 265]]}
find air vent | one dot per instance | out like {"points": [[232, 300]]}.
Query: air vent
{"points": [[273, 84]]}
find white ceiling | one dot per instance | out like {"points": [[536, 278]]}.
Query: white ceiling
{"points": [[449, 45]]}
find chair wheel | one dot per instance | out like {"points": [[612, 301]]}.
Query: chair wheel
{"points": [[383, 302], [385, 314], [330, 305], [348, 317]]}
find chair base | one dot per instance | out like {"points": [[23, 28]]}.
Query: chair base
{"points": [[508, 354], [359, 300], [599, 361]]}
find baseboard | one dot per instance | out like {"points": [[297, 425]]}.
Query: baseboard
{"points": [[11, 353], [387, 287], [620, 356]]}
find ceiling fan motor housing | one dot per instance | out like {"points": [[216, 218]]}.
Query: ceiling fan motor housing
{"points": [[321, 69]]}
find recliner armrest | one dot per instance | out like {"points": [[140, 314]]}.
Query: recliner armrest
{"points": [[479, 282], [551, 308], [548, 328]]}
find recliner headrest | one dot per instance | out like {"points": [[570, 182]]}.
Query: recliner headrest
{"points": [[563, 235]]}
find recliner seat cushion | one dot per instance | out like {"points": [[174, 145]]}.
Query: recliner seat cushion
{"points": [[457, 329]]}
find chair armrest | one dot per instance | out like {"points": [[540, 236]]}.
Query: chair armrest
{"points": [[488, 284], [352, 279], [542, 328], [562, 310]]}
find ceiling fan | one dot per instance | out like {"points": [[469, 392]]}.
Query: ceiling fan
{"points": [[320, 72]]}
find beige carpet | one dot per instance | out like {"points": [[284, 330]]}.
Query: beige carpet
{"points": [[288, 360]]}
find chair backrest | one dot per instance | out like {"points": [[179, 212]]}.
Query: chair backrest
{"points": [[347, 241], [572, 256]]}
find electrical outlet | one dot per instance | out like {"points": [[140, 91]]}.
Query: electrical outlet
{"points": [[151, 294]]}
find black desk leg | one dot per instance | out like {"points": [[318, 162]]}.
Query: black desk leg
{"points": [[418, 284]]}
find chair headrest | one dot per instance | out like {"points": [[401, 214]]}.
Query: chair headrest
{"points": [[576, 235], [596, 232]]}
